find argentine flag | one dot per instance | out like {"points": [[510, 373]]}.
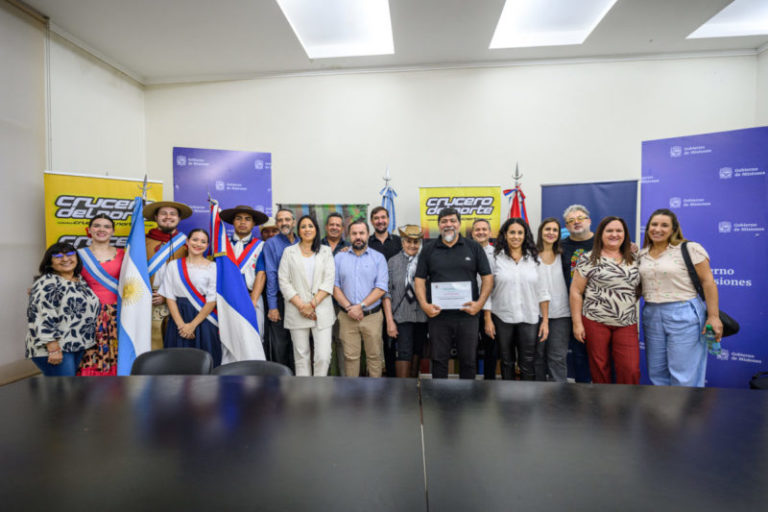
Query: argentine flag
{"points": [[238, 327], [134, 297]]}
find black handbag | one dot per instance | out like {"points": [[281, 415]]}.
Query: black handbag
{"points": [[730, 326]]}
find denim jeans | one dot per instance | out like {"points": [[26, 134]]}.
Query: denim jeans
{"points": [[675, 353], [551, 354], [578, 360], [67, 368]]}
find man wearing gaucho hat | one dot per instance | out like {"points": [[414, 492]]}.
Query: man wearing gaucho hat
{"points": [[406, 323], [164, 243], [248, 252]]}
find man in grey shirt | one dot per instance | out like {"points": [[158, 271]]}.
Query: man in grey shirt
{"points": [[406, 322]]}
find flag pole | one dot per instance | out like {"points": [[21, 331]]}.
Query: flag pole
{"points": [[388, 199], [517, 176], [145, 186]]}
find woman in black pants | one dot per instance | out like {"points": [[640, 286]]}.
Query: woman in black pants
{"points": [[520, 295]]}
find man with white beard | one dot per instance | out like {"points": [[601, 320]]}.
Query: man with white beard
{"points": [[455, 259]]}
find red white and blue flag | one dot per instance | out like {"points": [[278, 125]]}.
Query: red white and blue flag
{"points": [[238, 326], [517, 208]]}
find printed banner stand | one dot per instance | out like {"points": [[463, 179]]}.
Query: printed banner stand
{"points": [[472, 202], [617, 198], [716, 185], [232, 177], [72, 199]]}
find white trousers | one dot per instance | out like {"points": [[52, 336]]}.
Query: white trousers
{"points": [[301, 351]]}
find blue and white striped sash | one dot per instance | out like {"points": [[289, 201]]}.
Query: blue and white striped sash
{"points": [[93, 266], [164, 253]]}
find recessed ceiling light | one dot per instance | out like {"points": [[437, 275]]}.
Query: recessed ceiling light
{"points": [[548, 22], [340, 28], [741, 18]]}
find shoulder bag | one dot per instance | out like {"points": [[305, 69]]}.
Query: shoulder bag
{"points": [[730, 326]]}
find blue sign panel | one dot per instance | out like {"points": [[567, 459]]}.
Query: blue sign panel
{"points": [[617, 198], [231, 177], [716, 185]]}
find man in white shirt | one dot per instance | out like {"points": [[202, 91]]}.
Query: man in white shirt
{"points": [[247, 253]]}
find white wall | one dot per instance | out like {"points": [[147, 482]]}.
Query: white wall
{"points": [[22, 156], [762, 89], [97, 115], [96, 126], [331, 136]]}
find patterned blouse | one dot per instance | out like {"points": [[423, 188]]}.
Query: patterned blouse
{"points": [[60, 310], [610, 297]]}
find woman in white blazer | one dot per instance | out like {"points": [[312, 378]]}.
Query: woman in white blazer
{"points": [[306, 277]]}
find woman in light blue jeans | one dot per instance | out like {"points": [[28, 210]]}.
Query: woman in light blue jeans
{"points": [[674, 316]]}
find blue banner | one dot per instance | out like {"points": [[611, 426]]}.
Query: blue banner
{"points": [[716, 185], [233, 177], [618, 198]]}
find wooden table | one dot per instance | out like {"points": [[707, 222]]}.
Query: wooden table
{"points": [[567, 447], [210, 443], [248, 443]]}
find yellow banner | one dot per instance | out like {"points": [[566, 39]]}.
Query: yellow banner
{"points": [[471, 202], [71, 200]]}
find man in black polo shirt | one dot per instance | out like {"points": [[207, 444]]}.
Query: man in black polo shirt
{"points": [[382, 240], [334, 227], [453, 258]]}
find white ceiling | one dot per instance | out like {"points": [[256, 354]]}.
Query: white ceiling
{"points": [[162, 41]]}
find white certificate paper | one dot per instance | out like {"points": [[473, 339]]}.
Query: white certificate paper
{"points": [[451, 295]]}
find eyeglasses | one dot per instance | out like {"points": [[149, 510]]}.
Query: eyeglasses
{"points": [[60, 255], [580, 218]]}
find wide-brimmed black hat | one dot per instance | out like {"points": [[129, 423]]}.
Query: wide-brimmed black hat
{"points": [[150, 209], [228, 215]]}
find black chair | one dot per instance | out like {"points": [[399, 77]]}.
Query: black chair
{"points": [[258, 368], [173, 361]]}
